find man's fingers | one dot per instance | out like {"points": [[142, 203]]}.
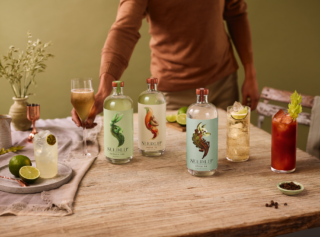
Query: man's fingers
{"points": [[254, 103], [75, 117], [244, 99]]}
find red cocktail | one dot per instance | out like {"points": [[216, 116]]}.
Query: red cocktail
{"points": [[284, 143]]}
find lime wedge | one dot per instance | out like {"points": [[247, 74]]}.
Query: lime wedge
{"points": [[241, 114], [29, 174], [182, 119], [51, 139], [171, 118], [183, 110]]}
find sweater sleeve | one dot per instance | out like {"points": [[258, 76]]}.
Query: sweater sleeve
{"points": [[236, 17], [122, 37]]}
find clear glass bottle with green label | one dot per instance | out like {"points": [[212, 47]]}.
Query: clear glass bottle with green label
{"points": [[118, 125], [202, 136], [152, 120]]}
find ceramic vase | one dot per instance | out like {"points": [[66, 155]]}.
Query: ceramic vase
{"points": [[18, 113]]}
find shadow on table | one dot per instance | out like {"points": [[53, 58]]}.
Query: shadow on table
{"points": [[315, 232]]}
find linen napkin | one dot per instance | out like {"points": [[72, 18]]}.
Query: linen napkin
{"points": [[313, 145], [57, 202]]}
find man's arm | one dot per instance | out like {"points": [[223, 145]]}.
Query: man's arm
{"points": [[235, 14], [116, 52]]}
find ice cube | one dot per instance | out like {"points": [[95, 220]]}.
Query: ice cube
{"points": [[287, 119], [278, 116], [42, 135], [237, 106]]}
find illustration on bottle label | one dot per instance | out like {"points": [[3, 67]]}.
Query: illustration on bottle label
{"points": [[118, 134], [116, 131], [198, 139], [151, 127], [202, 144], [151, 122]]}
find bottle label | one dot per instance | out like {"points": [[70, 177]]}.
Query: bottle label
{"points": [[151, 127], [118, 133], [202, 144]]}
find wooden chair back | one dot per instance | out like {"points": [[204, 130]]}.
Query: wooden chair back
{"points": [[266, 109]]}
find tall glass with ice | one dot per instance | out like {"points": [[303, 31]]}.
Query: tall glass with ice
{"points": [[284, 143], [238, 132], [46, 153]]}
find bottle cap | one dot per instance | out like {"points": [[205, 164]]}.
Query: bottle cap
{"points": [[152, 80], [203, 91], [115, 83]]}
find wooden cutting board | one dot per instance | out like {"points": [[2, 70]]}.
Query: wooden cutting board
{"points": [[176, 126]]}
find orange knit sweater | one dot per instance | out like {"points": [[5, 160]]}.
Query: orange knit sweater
{"points": [[189, 44]]}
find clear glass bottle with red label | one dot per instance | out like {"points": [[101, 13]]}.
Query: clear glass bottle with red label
{"points": [[202, 136], [152, 120]]}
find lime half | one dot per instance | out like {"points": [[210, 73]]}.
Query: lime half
{"points": [[182, 119], [241, 114], [171, 118], [183, 110], [29, 174], [51, 139]]}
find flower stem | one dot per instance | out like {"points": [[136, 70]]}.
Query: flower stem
{"points": [[14, 90]]}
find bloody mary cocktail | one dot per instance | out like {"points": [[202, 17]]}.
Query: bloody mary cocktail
{"points": [[284, 143]]}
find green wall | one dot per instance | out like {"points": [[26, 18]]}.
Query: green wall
{"points": [[285, 33]]}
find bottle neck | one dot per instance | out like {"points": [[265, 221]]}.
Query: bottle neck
{"points": [[152, 87], [202, 99], [117, 91]]}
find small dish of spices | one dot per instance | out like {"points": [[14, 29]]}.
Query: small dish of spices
{"points": [[290, 188]]}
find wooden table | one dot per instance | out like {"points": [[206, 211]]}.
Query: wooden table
{"points": [[158, 197]]}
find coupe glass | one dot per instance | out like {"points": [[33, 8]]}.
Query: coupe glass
{"points": [[82, 99]]}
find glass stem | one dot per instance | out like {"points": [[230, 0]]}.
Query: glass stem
{"points": [[34, 131], [85, 140]]}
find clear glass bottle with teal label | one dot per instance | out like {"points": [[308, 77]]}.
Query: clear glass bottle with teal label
{"points": [[202, 136], [118, 125]]}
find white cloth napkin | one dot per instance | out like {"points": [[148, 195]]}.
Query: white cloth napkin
{"points": [[57, 202]]}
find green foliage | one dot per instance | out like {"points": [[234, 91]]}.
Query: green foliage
{"points": [[115, 130], [21, 71], [295, 108], [11, 149]]}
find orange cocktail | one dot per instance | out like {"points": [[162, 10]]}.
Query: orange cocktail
{"points": [[284, 143]]}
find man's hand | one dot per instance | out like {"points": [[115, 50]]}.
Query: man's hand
{"points": [[96, 109], [250, 90], [104, 90]]}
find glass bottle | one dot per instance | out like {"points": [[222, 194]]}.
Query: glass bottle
{"points": [[152, 120], [202, 136], [118, 125]]}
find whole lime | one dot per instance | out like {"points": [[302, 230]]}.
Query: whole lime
{"points": [[17, 162], [183, 110]]}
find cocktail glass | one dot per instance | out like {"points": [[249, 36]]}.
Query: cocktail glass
{"points": [[46, 155], [82, 99], [283, 143], [238, 132], [33, 114]]}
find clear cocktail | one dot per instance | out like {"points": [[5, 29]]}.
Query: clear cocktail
{"points": [[238, 132], [46, 154]]}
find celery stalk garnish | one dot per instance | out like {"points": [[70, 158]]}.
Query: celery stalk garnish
{"points": [[295, 108]]}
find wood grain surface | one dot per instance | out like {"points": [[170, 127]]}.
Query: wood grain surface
{"points": [[176, 126], [158, 197], [270, 110], [269, 93]]}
